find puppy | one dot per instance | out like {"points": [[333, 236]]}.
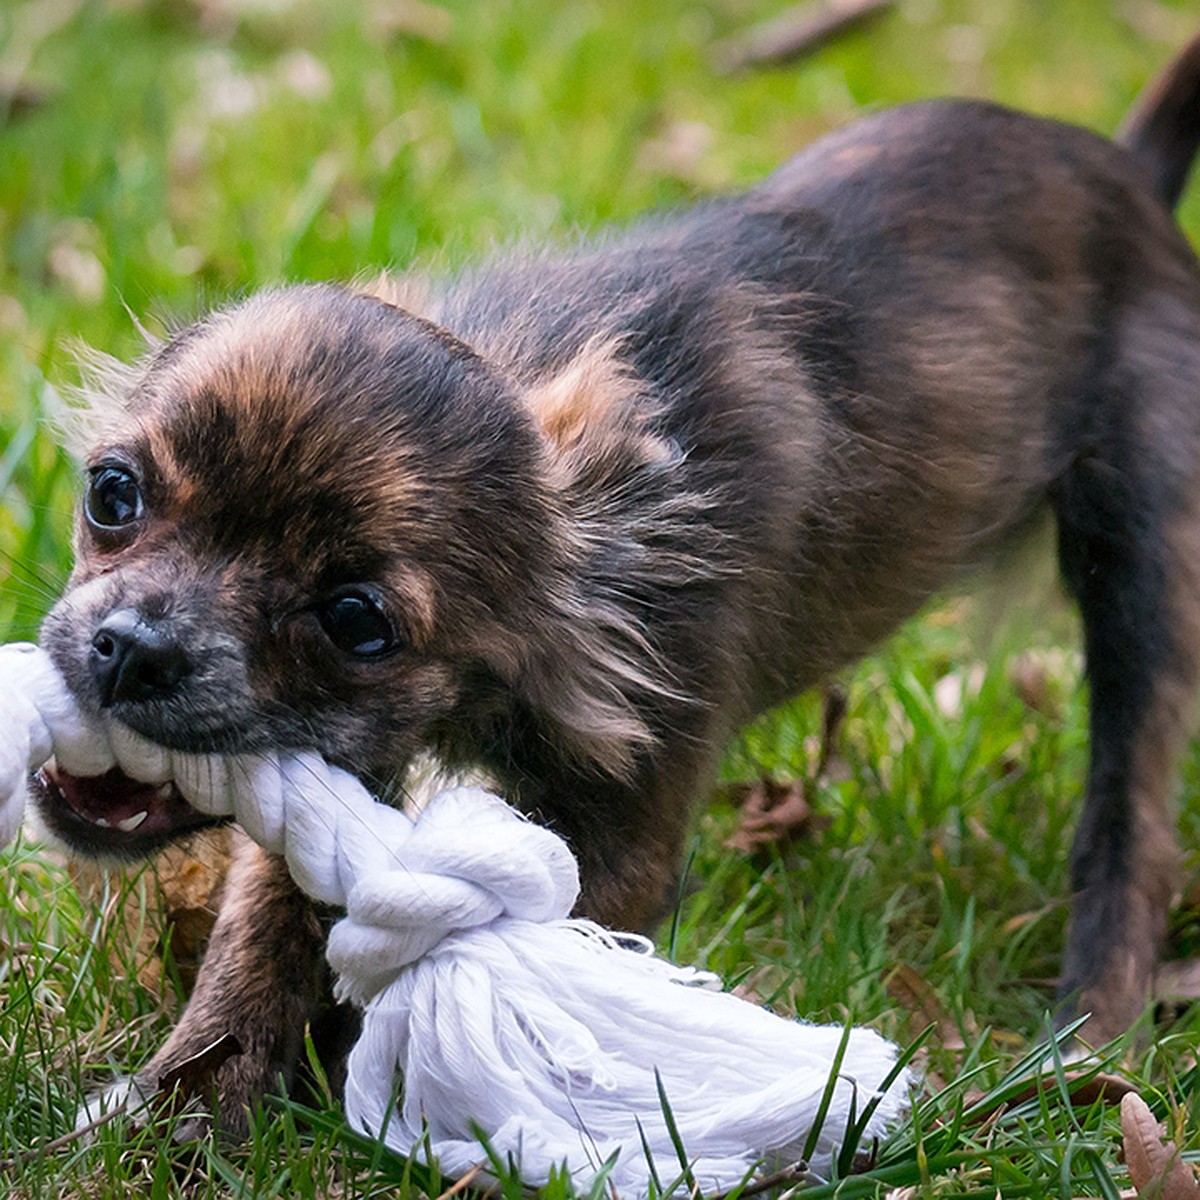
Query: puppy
{"points": [[574, 518]]}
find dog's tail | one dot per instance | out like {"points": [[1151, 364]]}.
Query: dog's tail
{"points": [[1162, 129]]}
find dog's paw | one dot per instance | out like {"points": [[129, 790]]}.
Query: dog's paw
{"points": [[140, 1100], [177, 1093]]}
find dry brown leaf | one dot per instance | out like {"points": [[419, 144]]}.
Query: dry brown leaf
{"points": [[792, 1173], [1189, 901], [778, 813], [1155, 1166], [683, 150], [1013, 924], [1084, 1090], [19, 99], [773, 814], [183, 900], [1031, 683], [1156, 21], [909, 990]]}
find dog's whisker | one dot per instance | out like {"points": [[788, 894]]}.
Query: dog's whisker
{"points": [[25, 574]]}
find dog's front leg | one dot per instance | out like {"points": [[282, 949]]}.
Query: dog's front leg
{"points": [[263, 978]]}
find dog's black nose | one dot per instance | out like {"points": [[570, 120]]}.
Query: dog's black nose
{"points": [[135, 659]]}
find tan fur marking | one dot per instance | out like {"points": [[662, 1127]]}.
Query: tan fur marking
{"points": [[246, 345], [589, 407], [180, 487], [412, 292], [419, 595]]}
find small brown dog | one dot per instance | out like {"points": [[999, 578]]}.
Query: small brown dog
{"points": [[575, 518]]}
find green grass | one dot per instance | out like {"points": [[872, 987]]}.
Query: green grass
{"points": [[188, 150]]}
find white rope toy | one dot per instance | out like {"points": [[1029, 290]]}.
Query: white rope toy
{"points": [[497, 1011]]}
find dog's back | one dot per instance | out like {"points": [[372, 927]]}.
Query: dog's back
{"points": [[879, 366], [875, 365]]}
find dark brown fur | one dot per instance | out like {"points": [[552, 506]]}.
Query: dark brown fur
{"points": [[619, 500]]}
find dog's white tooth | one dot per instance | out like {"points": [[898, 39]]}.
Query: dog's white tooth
{"points": [[102, 822], [163, 791], [140, 758], [131, 823]]}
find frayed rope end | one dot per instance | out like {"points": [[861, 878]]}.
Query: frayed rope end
{"points": [[557, 1039]]}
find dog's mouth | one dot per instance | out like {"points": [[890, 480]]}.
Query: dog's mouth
{"points": [[114, 814]]}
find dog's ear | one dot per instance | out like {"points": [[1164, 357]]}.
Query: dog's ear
{"points": [[594, 417], [598, 673], [412, 292]]}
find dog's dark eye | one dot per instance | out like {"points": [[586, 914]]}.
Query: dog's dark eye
{"points": [[355, 621], [114, 498]]}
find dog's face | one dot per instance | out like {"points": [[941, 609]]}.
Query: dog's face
{"points": [[310, 521]]}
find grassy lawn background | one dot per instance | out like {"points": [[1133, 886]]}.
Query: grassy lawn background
{"points": [[160, 156]]}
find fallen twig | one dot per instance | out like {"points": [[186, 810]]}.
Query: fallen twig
{"points": [[792, 1173], [462, 1182], [794, 33], [59, 1143]]}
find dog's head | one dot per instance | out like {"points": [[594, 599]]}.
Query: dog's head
{"points": [[314, 520]]}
